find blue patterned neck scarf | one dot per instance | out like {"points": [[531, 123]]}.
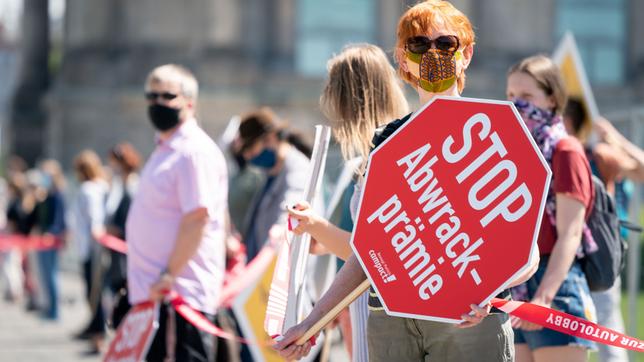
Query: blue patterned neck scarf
{"points": [[547, 130]]}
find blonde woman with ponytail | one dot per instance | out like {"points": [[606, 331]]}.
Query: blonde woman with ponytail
{"points": [[362, 93]]}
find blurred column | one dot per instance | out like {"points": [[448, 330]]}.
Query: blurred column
{"points": [[9, 66], [28, 115]]}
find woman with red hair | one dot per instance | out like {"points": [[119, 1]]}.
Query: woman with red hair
{"points": [[434, 47]]}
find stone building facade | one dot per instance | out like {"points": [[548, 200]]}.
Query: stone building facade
{"points": [[273, 52]]}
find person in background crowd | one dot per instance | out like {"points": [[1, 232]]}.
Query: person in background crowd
{"points": [[21, 220], [536, 87], [124, 161], [610, 135], [265, 142], [10, 268], [90, 219], [361, 94], [434, 29], [611, 161], [245, 182], [50, 221], [175, 228], [614, 158], [16, 164]]}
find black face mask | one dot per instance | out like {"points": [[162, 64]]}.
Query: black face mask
{"points": [[163, 118]]}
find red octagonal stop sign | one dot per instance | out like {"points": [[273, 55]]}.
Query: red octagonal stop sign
{"points": [[451, 208]]}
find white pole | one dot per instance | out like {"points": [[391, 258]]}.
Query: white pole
{"points": [[634, 119], [634, 261]]}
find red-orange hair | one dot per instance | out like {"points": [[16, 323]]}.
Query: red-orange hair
{"points": [[432, 15]]}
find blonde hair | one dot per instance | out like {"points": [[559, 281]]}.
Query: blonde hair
{"points": [[361, 94], [88, 166], [427, 16], [548, 77], [176, 74]]}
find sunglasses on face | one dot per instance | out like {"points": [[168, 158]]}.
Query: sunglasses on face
{"points": [[153, 96], [117, 153], [421, 44]]}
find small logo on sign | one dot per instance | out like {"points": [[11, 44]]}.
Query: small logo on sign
{"points": [[381, 266]]}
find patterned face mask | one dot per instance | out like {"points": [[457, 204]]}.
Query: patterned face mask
{"points": [[435, 69]]}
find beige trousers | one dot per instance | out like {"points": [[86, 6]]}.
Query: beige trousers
{"points": [[413, 340]]}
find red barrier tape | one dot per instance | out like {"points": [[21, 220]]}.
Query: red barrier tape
{"points": [[232, 288], [243, 276], [568, 324], [247, 274], [545, 317], [113, 243], [32, 242], [200, 321]]}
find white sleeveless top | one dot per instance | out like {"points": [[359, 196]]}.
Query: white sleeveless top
{"points": [[359, 310]]}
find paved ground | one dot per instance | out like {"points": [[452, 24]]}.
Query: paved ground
{"points": [[26, 337]]}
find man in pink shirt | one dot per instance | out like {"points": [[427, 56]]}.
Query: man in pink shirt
{"points": [[175, 227]]}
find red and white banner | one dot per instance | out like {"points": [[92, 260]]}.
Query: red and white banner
{"points": [[568, 324], [278, 296], [135, 334], [287, 297]]}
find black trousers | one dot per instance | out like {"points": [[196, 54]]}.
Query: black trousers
{"points": [[97, 322], [192, 344]]}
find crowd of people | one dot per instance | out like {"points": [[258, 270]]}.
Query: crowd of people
{"points": [[40, 208], [182, 229]]}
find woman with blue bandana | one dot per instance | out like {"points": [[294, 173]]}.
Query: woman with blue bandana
{"points": [[537, 90]]}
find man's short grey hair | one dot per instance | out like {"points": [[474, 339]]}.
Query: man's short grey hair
{"points": [[175, 73]]}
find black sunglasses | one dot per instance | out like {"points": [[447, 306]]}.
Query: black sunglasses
{"points": [[117, 153], [152, 96], [421, 44]]}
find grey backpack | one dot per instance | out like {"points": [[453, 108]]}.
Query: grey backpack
{"points": [[603, 266]]}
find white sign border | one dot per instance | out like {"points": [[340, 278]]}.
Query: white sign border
{"points": [[534, 249]]}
